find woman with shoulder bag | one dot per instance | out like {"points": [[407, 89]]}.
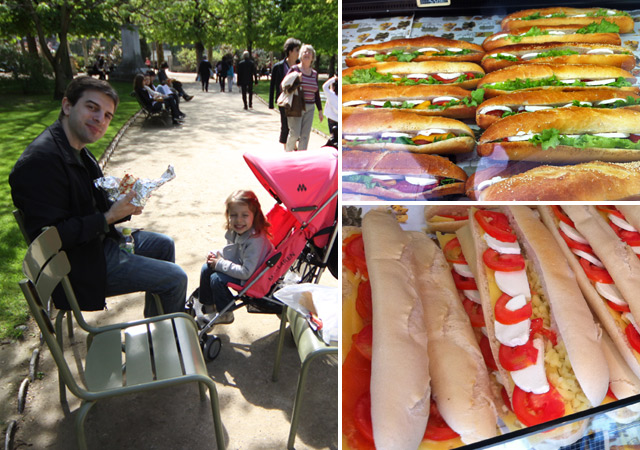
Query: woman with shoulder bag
{"points": [[300, 127]]}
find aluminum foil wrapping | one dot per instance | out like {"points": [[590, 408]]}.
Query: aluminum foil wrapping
{"points": [[143, 187]]}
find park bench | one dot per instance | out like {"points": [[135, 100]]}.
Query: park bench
{"points": [[163, 113]]}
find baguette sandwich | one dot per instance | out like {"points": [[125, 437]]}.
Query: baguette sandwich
{"points": [[423, 342], [566, 16], [591, 181], [541, 332], [405, 131], [556, 76], [596, 33], [559, 53], [400, 175], [425, 48], [602, 247], [445, 101], [571, 134], [445, 218], [496, 108], [462, 74]]}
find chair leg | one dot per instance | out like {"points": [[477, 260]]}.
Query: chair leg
{"points": [[283, 325], [215, 411], [61, 386], [70, 324], [80, 418], [297, 403]]}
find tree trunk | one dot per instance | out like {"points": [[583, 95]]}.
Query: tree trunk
{"points": [[332, 66], [199, 51], [31, 45], [160, 52], [62, 68]]}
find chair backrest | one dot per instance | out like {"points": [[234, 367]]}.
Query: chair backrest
{"points": [[19, 216]]}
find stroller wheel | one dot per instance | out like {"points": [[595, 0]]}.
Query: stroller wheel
{"points": [[211, 347]]}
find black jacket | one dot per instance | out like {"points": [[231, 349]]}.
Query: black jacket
{"points": [[205, 68], [246, 72], [278, 72], [53, 188]]}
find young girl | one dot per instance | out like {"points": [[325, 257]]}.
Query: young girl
{"points": [[247, 247]]}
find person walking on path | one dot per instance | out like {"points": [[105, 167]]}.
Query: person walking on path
{"points": [[300, 127], [53, 184], [222, 72], [204, 72], [280, 69], [246, 75], [230, 73]]}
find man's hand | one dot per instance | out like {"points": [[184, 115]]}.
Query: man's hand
{"points": [[320, 115], [122, 208]]}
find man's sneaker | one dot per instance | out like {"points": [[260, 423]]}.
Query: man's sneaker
{"points": [[225, 318]]}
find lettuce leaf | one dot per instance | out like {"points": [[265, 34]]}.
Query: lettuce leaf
{"points": [[551, 138], [603, 27], [362, 76], [368, 181], [537, 15], [526, 83], [465, 51], [400, 55], [553, 53], [533, 31], [504, 57], [603, 13]]}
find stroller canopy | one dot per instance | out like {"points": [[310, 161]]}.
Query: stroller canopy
{"points": [[302, 181]]}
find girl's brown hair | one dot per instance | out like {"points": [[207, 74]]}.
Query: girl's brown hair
{"points": [[260, 223]]}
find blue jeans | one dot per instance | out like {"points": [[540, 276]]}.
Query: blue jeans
{"points": [[213, 287], [151, 269]]}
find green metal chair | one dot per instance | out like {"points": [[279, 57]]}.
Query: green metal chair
{"points": [[309, 348], [122, 358]]}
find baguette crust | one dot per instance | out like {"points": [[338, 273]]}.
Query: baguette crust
{"points": [[617, 59], [413, 44], [592, 181], [595, 38], [569, 310], [561, 71], [399, 410], [632, 214], [426, 67], [406, 93], [459, 379], [555, 98], [511, 22], [601, 234], [445, 227], [526, 151]]}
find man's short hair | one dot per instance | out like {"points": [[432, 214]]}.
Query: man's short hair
{"points": [[290, 45], [245, 54], [79, 85]]}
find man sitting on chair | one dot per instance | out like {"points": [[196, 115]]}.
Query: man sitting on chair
{"points": [[53, 184]]}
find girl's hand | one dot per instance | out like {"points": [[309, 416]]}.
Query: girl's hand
{"points": [[320, 115]]}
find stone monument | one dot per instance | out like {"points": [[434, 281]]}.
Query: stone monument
{"points": [[132, 62]]}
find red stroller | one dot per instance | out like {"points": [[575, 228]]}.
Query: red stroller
{"points": [[303, 224]]}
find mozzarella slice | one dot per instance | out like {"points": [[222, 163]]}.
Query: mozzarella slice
{"points": [[600, 51], [612, 135], [610, 100], [354, 103], [631, 320], [391, 134], [486, 183], [514, 283], [506, 54], [431, 131], [536, 108], [521, 136], [382, 102], [572, 233], [600, 82], [568, 105], [589, 257], [418, 75], [449, 76], [421, 181], [611, 292], [488, 109], [533, 378], [517, 302], [499, 36], [568, 81], [351, 137], [527, 56], [509, 248], [513, 335], [364, 52], [557, 32], [386, 177], [428, 49], [463, 270], [472, 295], [621, 223], [445, 98]]}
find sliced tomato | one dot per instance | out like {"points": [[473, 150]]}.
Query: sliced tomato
{"points": [[537, 327], [474, 311], [620, 308], [495, 224], [362, 341], [559, 213], [633, 336], [609, 209], [356, 377], [611, 394], [495, 112], [362, 416], [464, 283], [506, 316], [485, 348], [533, 409], [454, 217], [518, 357], [575, 244], [435, 76], [634, 138], [437, 428], [595, 273], [505, 398], [502, 262], [453, 252], [354, 260], [630, 237], [364, 306]]}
